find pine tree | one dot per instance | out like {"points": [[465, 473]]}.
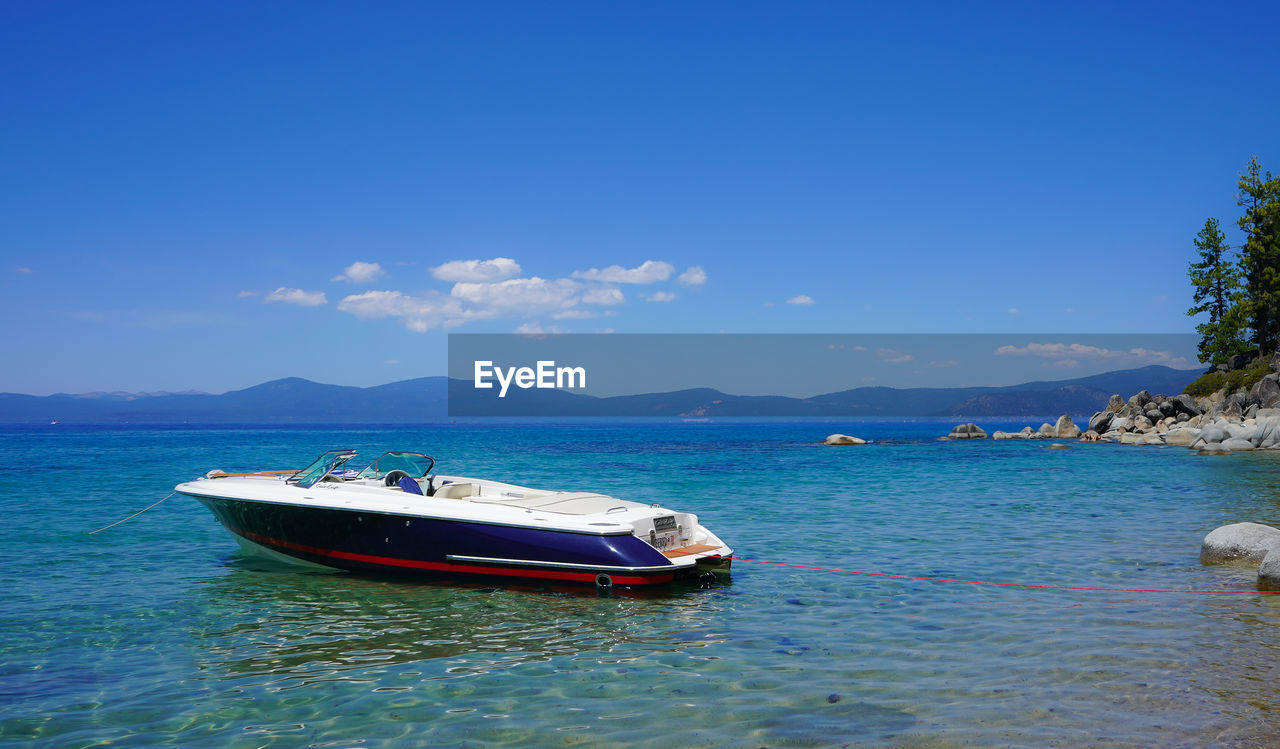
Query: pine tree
{"points": [[1216, 280], [1259, 195]]}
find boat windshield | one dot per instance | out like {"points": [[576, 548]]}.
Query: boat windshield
{"points": [[416, 465], [327, 462]]}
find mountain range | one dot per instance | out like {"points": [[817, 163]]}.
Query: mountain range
{"points": [[294, 400]]}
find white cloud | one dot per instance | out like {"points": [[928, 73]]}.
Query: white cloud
{"points": [[477, 271], [1015, 311], [577, 314], [519, 296], [390, 361], [803, 299], [359, 272], [944, 364], [534, 328], [1076, 351], [650, 271], [890, 356], [244, 294], [297, 296], [660, 296], [23, 269], [694, 275], [604, 296]]}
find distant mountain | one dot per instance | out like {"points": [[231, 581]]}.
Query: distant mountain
{"points": [[294, 400], [1079, 397]]}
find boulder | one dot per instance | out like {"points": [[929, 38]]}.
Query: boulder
{"points": [[1140, 400], [1046, 429], [1151, 439], [1142, 424], [1182, 418], [1267, 433], [1213, 450], [967, 432], [1236, 444], [1269, 571], [1026, 433], [1239, 542], [1168, 408], [1240, 361], [1101, 421], [1131, 438], [1187, 404], [1275, 362], [1213, 434], [1114, 404], [843, 439], [1066, 429], [1184, 436], [1231, 408], [1266, 393]]}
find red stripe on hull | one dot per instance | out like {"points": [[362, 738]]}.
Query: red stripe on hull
{"points": [[544, 574]]}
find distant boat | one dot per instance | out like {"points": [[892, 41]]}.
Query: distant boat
{"points": [[55, 422]]}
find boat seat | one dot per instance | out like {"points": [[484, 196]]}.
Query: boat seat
{"points": [[458, 491]]}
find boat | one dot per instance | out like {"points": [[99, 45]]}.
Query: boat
{"points": [[395, 515]]}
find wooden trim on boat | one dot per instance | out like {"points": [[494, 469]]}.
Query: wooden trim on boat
{"points": [[685, 551]]}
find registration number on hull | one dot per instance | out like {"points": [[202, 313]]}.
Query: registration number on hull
{"points": [[665, 534]]}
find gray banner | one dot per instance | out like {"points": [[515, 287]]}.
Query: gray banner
{"points": [[704, 375]]}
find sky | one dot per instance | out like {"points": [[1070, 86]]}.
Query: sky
{"points": [[211, 195]]}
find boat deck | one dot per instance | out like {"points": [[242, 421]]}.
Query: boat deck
{"points": [[685, 551]]}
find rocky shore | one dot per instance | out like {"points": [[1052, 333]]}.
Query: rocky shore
{"points": [[1218, 423]]}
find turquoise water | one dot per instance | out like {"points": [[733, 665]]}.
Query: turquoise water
{"points": [[160, 631]]}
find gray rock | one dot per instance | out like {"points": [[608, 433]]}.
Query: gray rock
{"points": [[999, 435], [1240, 361], [1057, 446], [1101, 421], [1269, 571], [1187, 404], [1169, 408], [1213, 450], [1183, 418], [1184, 436], [1266, 393], [1142, 424], [1236, 444], [968, 431], [1116, 403], [1239, 542], [1046, 429], [843, 439], [1066, 429], [1131, 438], [1153, 415], [1214, 433], [1267, 433], [1275, 362], [1231, 409]]}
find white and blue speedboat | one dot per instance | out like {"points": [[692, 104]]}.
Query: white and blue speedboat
{"points": [[396, 516]]}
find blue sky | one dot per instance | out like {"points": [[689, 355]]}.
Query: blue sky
{"points": [[906, 168]]}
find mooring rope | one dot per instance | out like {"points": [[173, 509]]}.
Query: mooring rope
{"points": [[131, 517], [997, 584]]}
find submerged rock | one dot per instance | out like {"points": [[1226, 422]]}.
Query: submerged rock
{"points": [[1057, 446], [1236, 444], [1239, 542], [1269, 571], [843, 439]]}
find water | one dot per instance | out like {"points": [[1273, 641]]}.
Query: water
{"points": [[159, 631]]}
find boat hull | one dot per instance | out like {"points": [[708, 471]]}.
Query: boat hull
{"points": [[365, 541]]}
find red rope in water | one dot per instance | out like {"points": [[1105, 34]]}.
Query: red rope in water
{"points": [[997, 584]]}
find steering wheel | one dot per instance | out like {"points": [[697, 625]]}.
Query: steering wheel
{"points": [[393, 478]]}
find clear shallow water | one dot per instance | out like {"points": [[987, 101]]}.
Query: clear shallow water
{"points": [[159, 631]]}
